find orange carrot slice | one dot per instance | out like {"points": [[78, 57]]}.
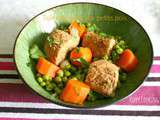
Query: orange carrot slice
{"points": [[75, 92], [81, 28], [45, 67], [81, 52], [127, 61]]}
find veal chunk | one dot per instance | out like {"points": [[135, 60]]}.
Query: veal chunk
{"points": [[99, 46], [102, 77], [59, 44]]}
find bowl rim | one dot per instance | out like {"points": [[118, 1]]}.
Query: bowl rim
{"points": [[72, 105]]}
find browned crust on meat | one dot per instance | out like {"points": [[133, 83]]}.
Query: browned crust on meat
{"points": [[99, 46], [102, 77], [57, 52]]}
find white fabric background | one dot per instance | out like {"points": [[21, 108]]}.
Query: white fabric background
{"points": [[15, 13]]}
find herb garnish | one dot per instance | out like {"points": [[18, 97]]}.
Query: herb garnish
{"points": [[84, 63], [51, 41], [78, 49], [92, 28], [102, 35], [105, 57]]}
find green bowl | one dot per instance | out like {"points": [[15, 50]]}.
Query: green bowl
{"points": [[109, 20]]}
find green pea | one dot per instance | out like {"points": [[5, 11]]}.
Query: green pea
{"points": [[57, 90], [122, 44], [68, 66], [117, 46], [67, 73], [64, 64], [64, 79], [49, 87], [58, 79], [73, 78], [102, 35], [48, 82], [47, 77], [60, 73], [105, 57], [40, 80], [43, 84], [119, 50]]}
